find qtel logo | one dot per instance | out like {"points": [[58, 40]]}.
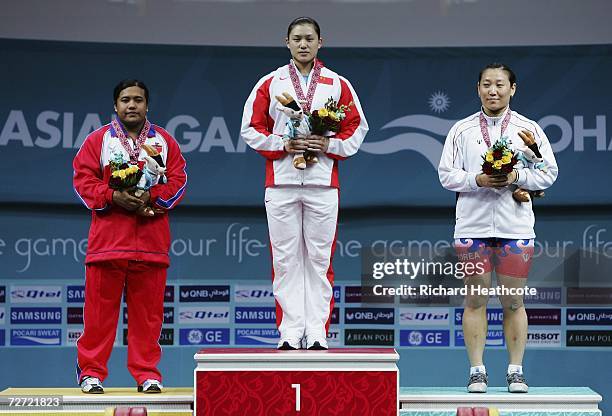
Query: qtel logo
{"points": [[589, 316], [37, 336], [204, 293], [494, 316], [36, 315], [36, 294], [255, 315], [204, 336], [495, 338], [203, 314], [256, 336], [75, 294], [424, 316], [424, 338], [378, 316], [254, 294]]}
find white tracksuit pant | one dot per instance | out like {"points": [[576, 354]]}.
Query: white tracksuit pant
{"points": [[302, 223]]}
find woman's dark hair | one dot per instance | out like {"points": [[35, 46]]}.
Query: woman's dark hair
{"points": [[304, 21], [127, 83], [503, 67]]}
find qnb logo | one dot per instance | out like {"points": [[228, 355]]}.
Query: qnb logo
{"points": [[370, 316]]}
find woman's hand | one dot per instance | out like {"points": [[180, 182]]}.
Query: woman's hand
{"points": [[126, 200], [496, 181], [317, 143], [297, 145]]}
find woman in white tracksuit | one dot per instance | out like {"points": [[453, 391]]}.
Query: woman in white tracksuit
{"points": [[493, 231], [302, 205]]}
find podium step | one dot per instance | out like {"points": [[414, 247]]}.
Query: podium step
{"points": [[540, 401], [172, 402]]}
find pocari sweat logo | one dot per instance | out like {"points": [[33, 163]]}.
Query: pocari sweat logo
{"points": [[256, 336], [204, 314], [424, 316], [254, 294], [495, 338], [204, 336], [424, 338], [36, 294], [36, 336]]}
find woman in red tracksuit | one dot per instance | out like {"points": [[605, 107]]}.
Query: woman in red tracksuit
{"points": [[125, 248], [302, 205]]}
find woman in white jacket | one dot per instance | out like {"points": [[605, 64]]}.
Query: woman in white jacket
{"points": [[492, 230]]}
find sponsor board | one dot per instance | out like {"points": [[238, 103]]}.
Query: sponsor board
{"points": [[378, 337], [256, 336], [72, 335], [36, 294], [333, 338], [169, 294], [337, 294], [544, 338], [589, 296], [494, 316], [424, 338], [424, 316], [31, 315], [74, 315], [585, 338], [261, 294], [168, 315], [204, 314], [204, 336], [545, 296], [544, 316], [495, 338], [359, 294], [2, 294], [165, 338], [590, 316], [425, 299], [2, 316], [204, 293], [255, 315], [36, 336], [75, 294], [2, 337], [372, 316], [335, 316]]}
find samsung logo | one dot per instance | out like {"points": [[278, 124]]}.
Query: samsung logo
{"points": [[254, 315], [36, 315], [75, 294], [424, 316]]}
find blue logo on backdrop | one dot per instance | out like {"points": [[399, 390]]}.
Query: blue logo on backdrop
{"points": [[36, 294], [75, 294], [169, 294], [256, 336], [545, 296], [495, 338], [255, 315], [36, 315], [2, 294], [379, 316], [204, 336], [204, 293], [494, 316], [424, 338], [254, 294], [337, 294], [36, 336], [589, 316], [2, 337]]}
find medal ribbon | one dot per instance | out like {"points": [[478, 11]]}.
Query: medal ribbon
{"points": [[485, 131], [297, 85], [134, 151]]}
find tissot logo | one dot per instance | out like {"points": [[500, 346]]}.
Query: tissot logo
{"points": [[379, 316], [494, 316], [168, 315], [369, 337], [72, 335], [589, 338], [204, 293], [333, 338], [589, 316], [544, 316], [36, 294], [255, 315], [544, 338], [36, 336], [423, 316], [424, 338], [204, 336], [204, 314], [36, 315], [74, 315], [75, 294], [254, 294]]}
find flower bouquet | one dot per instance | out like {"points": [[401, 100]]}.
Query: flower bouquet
{"points": [[123, 176], [325, 120], [499, 159]]}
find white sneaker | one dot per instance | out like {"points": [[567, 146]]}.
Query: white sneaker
{"points": [[516, 383], [91, 385], [150, 386], [478, 383], [316, 344], [289, 344]]}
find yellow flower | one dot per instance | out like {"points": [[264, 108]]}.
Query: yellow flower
{"points": [[489, 157], [506, 159], [333, 116], [497, 164], [323, 112], [116, 174], [122, 174]]}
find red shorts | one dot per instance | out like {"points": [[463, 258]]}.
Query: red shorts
{"points": [[507, 257]]}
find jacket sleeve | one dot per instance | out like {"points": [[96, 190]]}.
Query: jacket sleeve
{"points": [[168, 195], [535, 179], [353, 128], [87, 179], [257, 125], [450, 170]]}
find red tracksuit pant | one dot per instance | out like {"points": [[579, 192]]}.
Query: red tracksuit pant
{"points": [[104, 284]]}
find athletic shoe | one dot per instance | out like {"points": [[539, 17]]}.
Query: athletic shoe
{"points": [[478, 383], [317, 344], [150, 386], [91, 385], [289, 344], [516, 383]]}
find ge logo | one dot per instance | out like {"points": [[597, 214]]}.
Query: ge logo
{"points": [[415, 338], [195, 336]]}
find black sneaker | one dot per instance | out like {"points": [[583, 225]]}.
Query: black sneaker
{"points": [[150, 386], [478, 383], [91, 385], [285, 346], [317, 346], [516, 383]]}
